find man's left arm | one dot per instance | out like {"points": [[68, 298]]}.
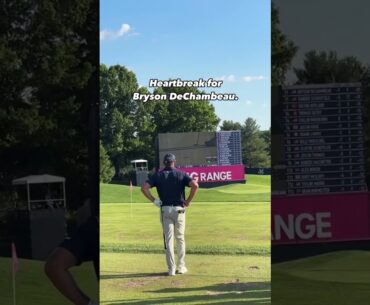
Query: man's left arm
{"points": [[193, 190]]}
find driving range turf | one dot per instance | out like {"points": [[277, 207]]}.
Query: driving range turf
{"points": [[228, 247], [340, 278], [33, 287]]}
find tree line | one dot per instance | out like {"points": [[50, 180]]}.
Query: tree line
{"points": [[48, 65], [128, 128]]}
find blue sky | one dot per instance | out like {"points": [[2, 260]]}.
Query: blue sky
{"points": [[191, 39]]}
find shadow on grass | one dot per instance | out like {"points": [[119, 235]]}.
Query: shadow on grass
{"points": [[159, 274], [132, 275], [237, 287], [222, 294]]}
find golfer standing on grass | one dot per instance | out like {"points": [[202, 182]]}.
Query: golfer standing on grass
{"points": [[170, 184]]}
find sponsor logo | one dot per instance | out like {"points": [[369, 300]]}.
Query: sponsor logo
{"points": [[303, 226], [211, 176]]}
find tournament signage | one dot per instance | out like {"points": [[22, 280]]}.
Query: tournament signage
{"points": [[229, 147], [320, 218], [326, 194], [324, 139], [216, 173]]}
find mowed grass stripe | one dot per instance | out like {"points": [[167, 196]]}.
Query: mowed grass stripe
{"points": [[339, 278], [200, 250], [218, 228]]}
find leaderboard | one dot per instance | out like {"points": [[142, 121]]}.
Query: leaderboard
{"points": [[229, 151], [324, 141]]}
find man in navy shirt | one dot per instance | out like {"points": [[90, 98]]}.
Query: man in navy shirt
{"points": [[170, 184], [82, 246]]}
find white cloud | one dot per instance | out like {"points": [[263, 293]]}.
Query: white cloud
{"points": [[123, 30], [227, 78], [253, 78], [248, 102], [230, 78]]}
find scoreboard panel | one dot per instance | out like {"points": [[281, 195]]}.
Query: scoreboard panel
{"points": [[229, 147], [324, 140], [221, 148]]}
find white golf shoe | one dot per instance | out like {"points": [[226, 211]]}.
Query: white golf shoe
{"points": [[171, 272], [182, 270]]}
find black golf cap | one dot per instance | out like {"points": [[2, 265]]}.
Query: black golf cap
{"points": [[169, 158]]}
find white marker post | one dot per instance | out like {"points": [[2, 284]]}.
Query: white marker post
{"points": [[14, 270], [131, 198]]}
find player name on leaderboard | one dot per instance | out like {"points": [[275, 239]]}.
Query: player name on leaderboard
{"points": [[324, 141], [229, 147]]}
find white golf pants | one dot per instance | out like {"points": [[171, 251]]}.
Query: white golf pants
{"points": [[174, 227]]}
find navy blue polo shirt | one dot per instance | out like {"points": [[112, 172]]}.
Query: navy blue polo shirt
{"points": [[170, 184]]}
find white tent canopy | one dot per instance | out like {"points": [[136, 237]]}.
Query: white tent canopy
{"points": [[33, 179], [139, 161], [41, 179], [140, 164]]}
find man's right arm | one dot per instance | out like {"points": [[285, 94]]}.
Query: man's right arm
{"points": [[82, 246], [57, 269], [145, 189]]}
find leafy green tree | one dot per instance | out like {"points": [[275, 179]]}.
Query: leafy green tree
{"points": [[145, 130], [254, 146], [255, 143], [266, 136], [325, 67], [282, 50], [117, 113], [47, 68], [106, 167], [184, 116], [230, 125]]}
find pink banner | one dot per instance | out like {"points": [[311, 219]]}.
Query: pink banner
{"points": [[321, 218], [216, 173]]}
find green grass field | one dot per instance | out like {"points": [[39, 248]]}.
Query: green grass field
{"points": [[33, 287], [128, 278], [228, 247], [340, 278], [212, 228]]}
